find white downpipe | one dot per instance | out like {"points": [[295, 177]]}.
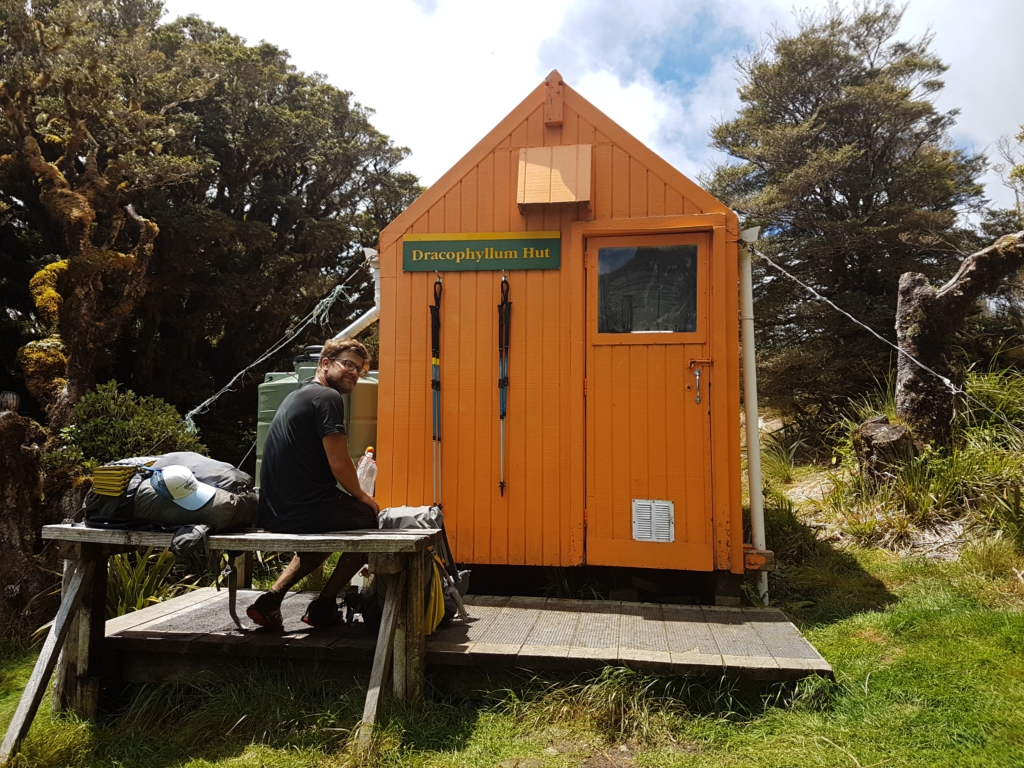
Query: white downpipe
{"points": [[750, 413], [367, 318]]}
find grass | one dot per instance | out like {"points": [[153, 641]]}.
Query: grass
{"points": [[929, 662], [977, 480], [779, 455], [928, 656]]}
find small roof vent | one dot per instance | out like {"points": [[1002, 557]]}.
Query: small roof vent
{"points": [[555, 174]]}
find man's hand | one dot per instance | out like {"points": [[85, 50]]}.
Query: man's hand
{"points": [[336, 447], [371, 502]]}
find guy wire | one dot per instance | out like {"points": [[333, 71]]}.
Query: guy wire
{"points": [[952, 387]]}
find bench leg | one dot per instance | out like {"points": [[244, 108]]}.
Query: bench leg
{"points": [[415, 639], [66, 671], [381, 657], [398, 657], [92, 615], [243, 565], [33, 694]]}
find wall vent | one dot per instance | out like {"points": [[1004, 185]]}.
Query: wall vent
{"points": [[554, 174], [654, 520]]}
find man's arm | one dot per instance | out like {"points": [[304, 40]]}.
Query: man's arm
{"points": [[336, 446]]}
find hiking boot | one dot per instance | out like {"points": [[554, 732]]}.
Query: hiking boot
{"points": [[266, 611], [323, 612]]}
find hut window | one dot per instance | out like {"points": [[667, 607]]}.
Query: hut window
{"points": [[554, 174], [647, 289]]}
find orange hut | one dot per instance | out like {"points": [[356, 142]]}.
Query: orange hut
{"points": [[621, 440]]}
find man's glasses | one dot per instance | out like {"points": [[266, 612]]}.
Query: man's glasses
{"points": [[348, 365]]}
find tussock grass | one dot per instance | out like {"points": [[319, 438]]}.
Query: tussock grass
{"points": [[619, 704], [138, 579], [779, 453], [978, 480]]}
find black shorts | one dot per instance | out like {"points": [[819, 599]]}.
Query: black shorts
{"points": [[344, 514]]}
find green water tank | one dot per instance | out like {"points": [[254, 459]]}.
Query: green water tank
{"points": [[360, 405]]}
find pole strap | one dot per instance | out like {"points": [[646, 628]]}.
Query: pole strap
{"points": [[504, 337], [435, 384]]}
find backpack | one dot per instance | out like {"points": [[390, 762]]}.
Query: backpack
{"points": [[445, 585], [232, 508]]}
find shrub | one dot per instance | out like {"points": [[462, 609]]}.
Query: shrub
{"points": [[136, 580], [110, 425], [979, 476]]}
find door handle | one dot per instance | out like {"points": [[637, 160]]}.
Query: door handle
{"points": [[696, 364]]}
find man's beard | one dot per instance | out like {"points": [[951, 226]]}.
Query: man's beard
{"points": [[340, 383]]}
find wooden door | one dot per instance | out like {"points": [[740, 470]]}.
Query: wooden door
{"points": [[648, 393]]}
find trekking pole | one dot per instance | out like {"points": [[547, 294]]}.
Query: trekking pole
{"points": [[435, 383], [504, 334]]}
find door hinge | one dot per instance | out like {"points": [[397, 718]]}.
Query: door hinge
{"points": [[584, 387]]}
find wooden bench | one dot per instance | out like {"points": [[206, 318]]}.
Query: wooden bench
{"points": [[78, 628]]}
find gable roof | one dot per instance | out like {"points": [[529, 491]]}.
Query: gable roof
{"points": [[608, 128]]}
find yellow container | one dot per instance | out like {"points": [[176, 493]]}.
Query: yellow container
{"points": [[361, 416]]}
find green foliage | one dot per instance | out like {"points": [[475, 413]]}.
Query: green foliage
{"points": [[111, 425], [843, 160], [264, 182], [136, 580], [778, 455], [978, 478], [302, 180]]}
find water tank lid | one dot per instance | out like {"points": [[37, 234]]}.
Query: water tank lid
{"points": [[310, 354]]}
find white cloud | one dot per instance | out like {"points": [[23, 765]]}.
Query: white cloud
{"points": [[640, 106], [980, 42], [442, 73]]}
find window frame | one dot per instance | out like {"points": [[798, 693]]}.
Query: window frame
{"points": [[699, 336]]}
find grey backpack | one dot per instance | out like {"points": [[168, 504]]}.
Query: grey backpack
{"points": [[454, 582], [232, 507]]}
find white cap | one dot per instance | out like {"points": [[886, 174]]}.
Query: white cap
{"points": [[177, 483]]}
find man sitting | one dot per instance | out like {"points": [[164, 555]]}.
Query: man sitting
{"points": [[304, 458]]}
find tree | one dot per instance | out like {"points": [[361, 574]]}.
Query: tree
{"points": [[77, 146], [1010, 169], [301, 181], [261, 181], [927, 319], [847, 166], [171, 201]]}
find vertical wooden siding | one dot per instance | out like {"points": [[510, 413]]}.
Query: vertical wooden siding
{"points": [[540, 519]]}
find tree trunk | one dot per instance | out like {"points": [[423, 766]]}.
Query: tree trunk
{"points": [[25, 578], [87, 297], [927, 319]]}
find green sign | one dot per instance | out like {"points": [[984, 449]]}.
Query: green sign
{"points": [[481, 251]]}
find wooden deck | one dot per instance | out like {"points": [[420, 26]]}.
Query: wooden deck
{"points": [[525, 632]]}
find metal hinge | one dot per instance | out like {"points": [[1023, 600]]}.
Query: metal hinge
{"points": [[584, 387]]}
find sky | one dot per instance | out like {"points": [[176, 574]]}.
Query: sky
{"points": [[441, 73]]}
